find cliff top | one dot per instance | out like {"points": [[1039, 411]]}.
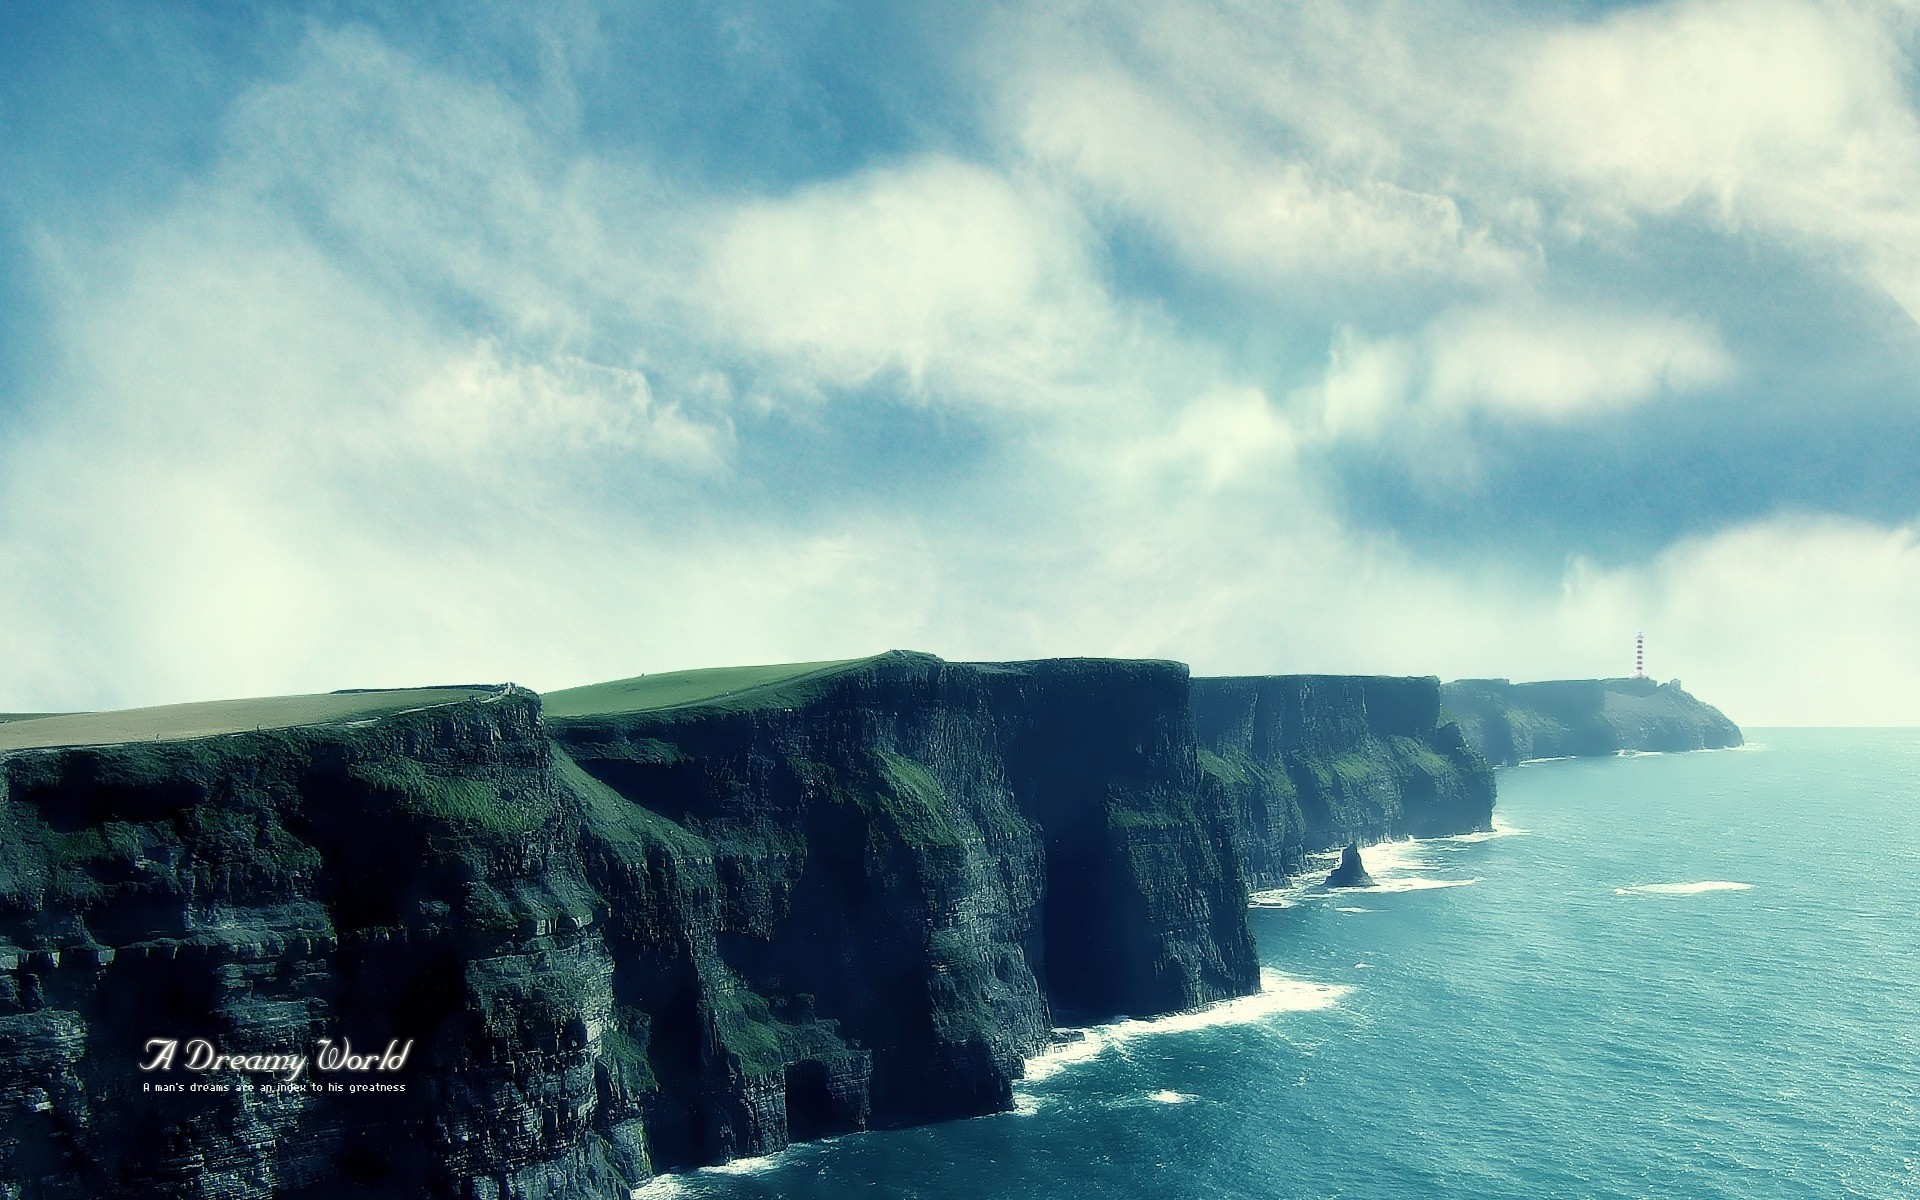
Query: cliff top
{"points": [[1617, 683], [765, 684], [171, 722], [1322, 676]]}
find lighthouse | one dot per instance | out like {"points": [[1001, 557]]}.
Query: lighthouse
{"points": [[1639, 656]]}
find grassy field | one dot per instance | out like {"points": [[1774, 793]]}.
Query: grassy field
{"points": [[677, 689], [172, 721]]}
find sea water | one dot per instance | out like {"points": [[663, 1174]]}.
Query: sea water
{"points": [[1688, 975]]}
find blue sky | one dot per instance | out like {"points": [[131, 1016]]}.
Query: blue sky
{"points": [[351, 345]]}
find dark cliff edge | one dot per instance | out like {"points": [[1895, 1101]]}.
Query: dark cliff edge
{"points": [[1510, 723], [672, 921], [1310, 763]]}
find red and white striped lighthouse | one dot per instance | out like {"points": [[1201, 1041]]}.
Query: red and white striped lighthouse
{"points": [[1639, 656]]}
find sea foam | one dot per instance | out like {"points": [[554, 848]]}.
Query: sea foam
{"points": [[701, 1180], [1389, 886], [1396, 866], [1278, 994], [1500, 830], [757, 1165], [1683, 889], [1392, 857], [1061, 1055]]}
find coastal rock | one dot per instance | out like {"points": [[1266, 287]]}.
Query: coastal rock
{"points": [[1510, 723], [1351, 873]]}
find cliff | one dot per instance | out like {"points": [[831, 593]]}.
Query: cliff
{"points": [[413, 875], [671, 921], [1313, 762], [936, 857], [1513, 722]]}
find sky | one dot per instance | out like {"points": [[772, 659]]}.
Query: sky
{"points": [[356, 344]]}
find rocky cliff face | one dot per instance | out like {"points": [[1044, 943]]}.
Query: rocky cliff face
{"points": [[1513, 722], [622, 941], [1312, 762], [416, 878], [926, 861]]}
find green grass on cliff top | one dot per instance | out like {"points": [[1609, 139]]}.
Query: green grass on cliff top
{"points": [[679, 689], [173, 721]]}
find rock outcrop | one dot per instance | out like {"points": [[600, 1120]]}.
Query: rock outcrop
{"points": [[639, 935], [1351, 871], [1312, 762], [1512, 722]]}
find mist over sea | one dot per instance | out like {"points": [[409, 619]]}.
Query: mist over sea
{"points": [[1663, 976]]}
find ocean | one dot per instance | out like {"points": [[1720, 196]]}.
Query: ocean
{"points": [[1689, 975]]}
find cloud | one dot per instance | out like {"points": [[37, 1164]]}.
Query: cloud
{"points": [[1513, 364], [1222, 437], [396, 390], [943, 275], [482, 403], [1339, 146], [1233, 203], [419, 378], [1776, 103], [1773, 116]]}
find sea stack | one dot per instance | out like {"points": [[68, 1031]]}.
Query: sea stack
{"points": [[1351, 872]]}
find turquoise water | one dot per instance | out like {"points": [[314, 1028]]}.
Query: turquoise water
{"points": [[1560, 1010]]}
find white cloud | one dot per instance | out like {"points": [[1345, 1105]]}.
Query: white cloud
{"points": [[484, 403], [1553, 366], [1720, 99], [1782, 118], [1234, 203], [934, 271], [1324, 146], [1227, 434], [1515, 364]]}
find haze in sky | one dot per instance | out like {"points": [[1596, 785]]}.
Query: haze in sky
{"points": [[363, 345]]}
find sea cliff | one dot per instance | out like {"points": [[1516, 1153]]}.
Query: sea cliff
{"points": [[644, 925], [917, 866], [1513, 722], [669, 921], [1310, 763]]}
